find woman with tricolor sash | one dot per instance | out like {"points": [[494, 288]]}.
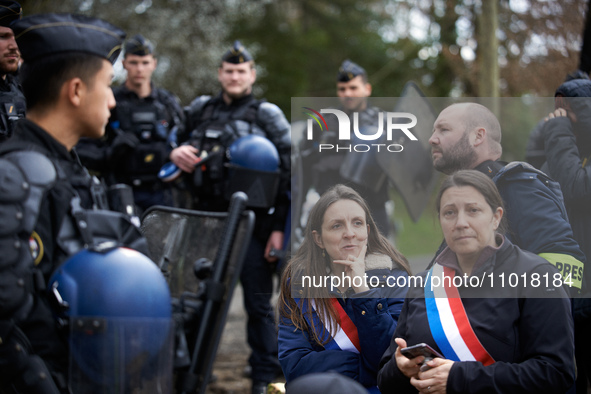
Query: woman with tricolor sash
{"points": [[340, 300], [498, 314]]}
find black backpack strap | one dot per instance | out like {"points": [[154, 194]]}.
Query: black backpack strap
{"points": [[251, 115]]}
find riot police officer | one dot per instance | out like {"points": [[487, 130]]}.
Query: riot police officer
{"points": [[12, 100], [353, 90], [145, 122], [213, 124], [48, 195]]}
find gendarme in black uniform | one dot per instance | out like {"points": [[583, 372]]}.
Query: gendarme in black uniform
{"points": [[212, 125], [12, 101], [243, 116], [327, 169], [47, 204], [151, 122]]}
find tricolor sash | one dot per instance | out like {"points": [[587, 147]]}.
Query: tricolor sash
{"points": [[346, 336], [449, 322]]}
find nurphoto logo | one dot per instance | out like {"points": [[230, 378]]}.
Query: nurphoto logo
{"points": [[395, 123]]}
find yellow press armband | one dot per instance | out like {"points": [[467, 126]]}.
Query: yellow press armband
{"points": [[570, 268]]}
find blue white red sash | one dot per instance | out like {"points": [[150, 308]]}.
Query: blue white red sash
{"points": [[448, 321], [346, 336]]}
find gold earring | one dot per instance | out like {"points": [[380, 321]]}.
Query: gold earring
{"points": [[323, 254]]}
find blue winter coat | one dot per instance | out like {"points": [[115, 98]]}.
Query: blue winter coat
{"points": [[374, 313]]}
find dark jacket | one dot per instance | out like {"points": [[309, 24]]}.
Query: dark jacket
{"points": [[13, 105], [38, 324], [528, 333], [56, 206], [54, 218], [537, 223], [567, 162], [374, 313]]}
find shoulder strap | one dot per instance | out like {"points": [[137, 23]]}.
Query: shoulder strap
{"points": [[520, 166], [251, 115], [207, 110]]}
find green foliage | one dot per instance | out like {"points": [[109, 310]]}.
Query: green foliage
{"points": [[304, 42]]}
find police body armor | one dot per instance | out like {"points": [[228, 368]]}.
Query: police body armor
{"points": [[12, 108], [27, 177], [213, 131], [360, 168], [148, 123]]}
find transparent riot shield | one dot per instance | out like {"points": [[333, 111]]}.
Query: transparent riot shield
{"points": [[201, 254]]}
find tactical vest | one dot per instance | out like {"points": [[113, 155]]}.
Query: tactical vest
{"points": [[148, 122], [214, 133], [12, 108], [90, 222]]}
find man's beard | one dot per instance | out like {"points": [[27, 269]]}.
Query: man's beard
{"points": [[8, 68], [461, 156], [236, 96], [357, 104]]}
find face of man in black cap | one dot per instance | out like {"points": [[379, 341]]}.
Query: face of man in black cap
{"points": [[237, 73], [10, 11], [354, 93], [67, 73], [352, 86], [9, 53], [96, 101], [140, 63], [139, 70], [236, 79]]}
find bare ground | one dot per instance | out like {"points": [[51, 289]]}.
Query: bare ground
{"points": [[233, 353]]}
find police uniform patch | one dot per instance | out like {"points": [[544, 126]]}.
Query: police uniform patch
{"points": [[36, 247]]}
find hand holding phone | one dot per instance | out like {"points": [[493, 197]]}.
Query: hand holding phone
{"points": [[421, 349]]}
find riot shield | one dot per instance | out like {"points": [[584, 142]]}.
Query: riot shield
{"points": [[412, 173], [362, 167], [201, 254]]}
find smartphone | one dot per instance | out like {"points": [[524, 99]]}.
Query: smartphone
{"points": [[421, 349]]}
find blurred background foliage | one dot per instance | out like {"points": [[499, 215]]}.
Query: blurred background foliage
{"points": [[299, 44], [448, 47]]}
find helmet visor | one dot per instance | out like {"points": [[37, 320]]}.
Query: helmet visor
{"points": [[121, 355]]}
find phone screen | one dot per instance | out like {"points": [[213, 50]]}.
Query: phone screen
{"points": [[421, 349]]}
